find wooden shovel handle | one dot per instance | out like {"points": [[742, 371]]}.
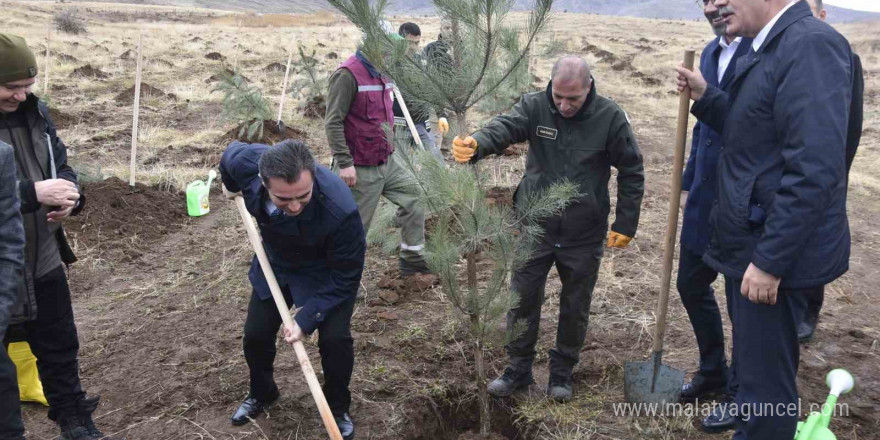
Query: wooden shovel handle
{"points": [[301, 355], [684, 101]]}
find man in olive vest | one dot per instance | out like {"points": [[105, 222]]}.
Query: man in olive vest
{"points": [[360, 105]]}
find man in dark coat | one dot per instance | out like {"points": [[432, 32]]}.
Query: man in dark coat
{"points": [[695, 278], [316, 244], [575, 134], [779, 225], [11, 264], [853, 136], [49, 194]]}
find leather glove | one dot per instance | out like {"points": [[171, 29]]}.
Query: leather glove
{"points": [[443, 126], [618, 240], [230, 195], [463, 149]]}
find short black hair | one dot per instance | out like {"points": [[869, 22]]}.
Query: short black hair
{"points": [[286, 160], [409, 29]]}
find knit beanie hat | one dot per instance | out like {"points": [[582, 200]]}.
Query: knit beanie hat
{"points": [[17, 62]]}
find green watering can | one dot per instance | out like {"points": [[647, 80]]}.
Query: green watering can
{"points": [[197, 200], [816, 426]]}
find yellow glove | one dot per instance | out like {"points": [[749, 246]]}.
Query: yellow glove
{"points": [[618, 240], [463, 150], [443, 126]]}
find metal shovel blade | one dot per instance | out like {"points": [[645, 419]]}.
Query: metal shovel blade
{"points": [[652, 382]]}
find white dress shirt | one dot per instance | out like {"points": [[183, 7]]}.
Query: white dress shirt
{"points": [[759, 39], [727, 52]]}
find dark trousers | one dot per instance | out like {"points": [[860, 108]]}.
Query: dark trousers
{"points": [[766, 349], [334, 343], [54, 342], [578, 268], [11, 427], [695, 288]]}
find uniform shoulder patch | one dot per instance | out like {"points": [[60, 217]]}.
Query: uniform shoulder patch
{"points": [[547, 132]]}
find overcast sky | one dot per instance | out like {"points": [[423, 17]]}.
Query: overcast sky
{"points": [[863, 5]]}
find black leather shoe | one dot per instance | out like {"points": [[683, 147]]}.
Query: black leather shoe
{"points": [[346, 426], [719, 420], [700, 386], [251, 408]]}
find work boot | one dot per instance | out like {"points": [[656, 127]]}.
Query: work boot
{"points": [[807, 327], [510, 381], [700, 386], [559, 388], [86, 408], [720, 419], [76, 423], [408, 268], [251, 408], [346, 426]]}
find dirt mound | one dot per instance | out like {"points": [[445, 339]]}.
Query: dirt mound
{"points": [[316, 108], [164, 63], [332, 56], [65, 58], [127, 97], [271, 134], [195, 39], [226, 72], [88, 71], [120, 222], [216, 56], [395, 288], [61, 119], [128, 55], [274, 67]]}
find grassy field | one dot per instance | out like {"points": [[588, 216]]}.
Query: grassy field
{"points": [[160, 298]]}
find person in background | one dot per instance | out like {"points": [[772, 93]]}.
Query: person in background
{"points": [[420, 112], [695, 277], [807, 327], [360, 109]]}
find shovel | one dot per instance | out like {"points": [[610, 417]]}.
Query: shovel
{"points": [[651, 381], [301, 355]]}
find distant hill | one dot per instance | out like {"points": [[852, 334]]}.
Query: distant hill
{"points": [[669, 9]]}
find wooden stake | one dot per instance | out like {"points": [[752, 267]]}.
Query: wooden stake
{"points": [[284, 84], [46, 62], [136, 112], [301, 355], [409, 120]]}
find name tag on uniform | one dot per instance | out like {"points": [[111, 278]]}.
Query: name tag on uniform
{"points": [[547, 132]]}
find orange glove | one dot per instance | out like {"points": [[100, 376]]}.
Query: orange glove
{"points": [[463, 149], [442, 126], [618, 240]]}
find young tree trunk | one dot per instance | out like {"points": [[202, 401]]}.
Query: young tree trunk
{"points": [[480, 364]]}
